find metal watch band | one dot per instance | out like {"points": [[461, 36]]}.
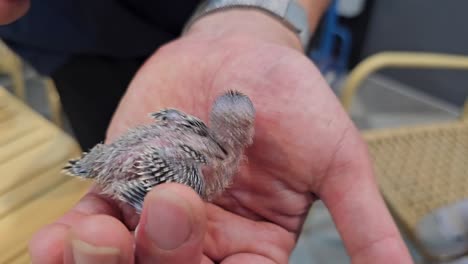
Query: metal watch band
{"points": [[289, 12]]}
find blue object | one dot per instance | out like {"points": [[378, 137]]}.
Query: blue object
{"points": [[333, 34]]}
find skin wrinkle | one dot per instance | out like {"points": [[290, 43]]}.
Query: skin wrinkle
{"points": [[321, 174], [101, 204], [71, 217], [345, 166], [82, 210], [129, 215], [288, 227], [339, 199], [236, 206], [214, 236], [266, 247], [391, 236], [271, 214], [294, 216], [105, 206], [275, 212], [329, 167], [276, 244]]}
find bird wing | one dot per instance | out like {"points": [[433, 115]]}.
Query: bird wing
{"points": [[155, 168], [185, 122]]}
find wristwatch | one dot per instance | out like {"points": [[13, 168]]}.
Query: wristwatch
{"points": [[289, 12]]}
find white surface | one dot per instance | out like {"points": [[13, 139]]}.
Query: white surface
{"points": [[350, 8]]}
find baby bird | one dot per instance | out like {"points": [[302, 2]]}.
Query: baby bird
{"points": [[177, 147]]}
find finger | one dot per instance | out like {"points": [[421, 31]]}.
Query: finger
{"points": [[103, 236], [10, 10], [229, 234], [361, 217], [172, 226], [47, 245], [98, 239], [91, 204]]}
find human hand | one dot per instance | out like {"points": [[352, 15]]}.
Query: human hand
{"points": [[10, 10], [305, 147]]}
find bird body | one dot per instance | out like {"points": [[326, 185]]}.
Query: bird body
{"points": [[177, 147]]}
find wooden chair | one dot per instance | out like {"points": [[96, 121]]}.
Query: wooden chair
{"points": [[12, 65], [419, 168], [33, 192]]}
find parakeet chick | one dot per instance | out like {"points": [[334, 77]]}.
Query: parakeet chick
{"points": [[177, 147]]}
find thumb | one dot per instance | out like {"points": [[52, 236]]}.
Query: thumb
{"points": [[172, 226]]}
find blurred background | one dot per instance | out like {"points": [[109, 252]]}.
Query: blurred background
{"points": [[408, 105]]}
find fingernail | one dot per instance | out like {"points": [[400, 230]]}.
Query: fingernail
{"points": [[169, 221], [85, 253]]}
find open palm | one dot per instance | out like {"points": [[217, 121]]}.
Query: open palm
{"points": [[305, 148]]}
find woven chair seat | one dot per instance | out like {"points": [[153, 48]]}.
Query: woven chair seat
{"points": [[422, 168]]}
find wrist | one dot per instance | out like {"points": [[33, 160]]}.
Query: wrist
{"points": [[246, 22], [260, 25]]}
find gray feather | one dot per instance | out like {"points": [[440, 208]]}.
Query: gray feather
{"points": [[175, 148]]}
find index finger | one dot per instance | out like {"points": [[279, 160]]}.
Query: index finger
{"points": [[48, 244], [358, 210]]}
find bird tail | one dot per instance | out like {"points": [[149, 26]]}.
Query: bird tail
{"points": [[75, 168], [83, 166]]}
